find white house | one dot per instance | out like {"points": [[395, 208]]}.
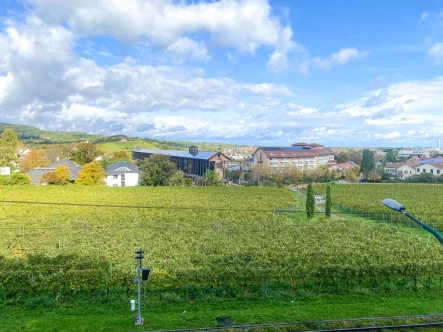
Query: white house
{"points": [[433, 168], [122, 174]]}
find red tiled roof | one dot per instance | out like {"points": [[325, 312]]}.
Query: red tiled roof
{"points": [[295, 154]]}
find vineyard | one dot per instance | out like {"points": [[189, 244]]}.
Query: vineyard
{"points": [[423, 201], [198, 237]]}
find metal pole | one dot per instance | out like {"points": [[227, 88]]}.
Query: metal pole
{"points": [[139, 318], [426, 227]]}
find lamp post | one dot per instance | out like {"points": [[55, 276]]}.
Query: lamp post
{"points": [[396, 206]]}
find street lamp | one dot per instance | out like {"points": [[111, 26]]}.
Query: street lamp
{"points": [[396, 206]]}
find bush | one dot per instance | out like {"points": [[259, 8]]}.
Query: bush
{"points": [[15, 179]]}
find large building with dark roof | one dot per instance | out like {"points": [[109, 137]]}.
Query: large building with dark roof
{"points": [[306, 156], [192, 162]]}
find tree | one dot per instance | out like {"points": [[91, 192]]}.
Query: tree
{"points": [[60, 175], [84, 153], [157, 170], [177, 179], [310, 202], [392, 156], [35, 158], [16, 178], [374, 176], [8, 147], [121, 155], [91, 173], [211, 178], [56, 152], [295, 175], [328, 201], [368, 163]]}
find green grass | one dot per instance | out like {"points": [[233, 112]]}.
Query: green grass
{"points": [[114, 315]]}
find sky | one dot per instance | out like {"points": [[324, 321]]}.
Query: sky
{"points": [[255, 72]]}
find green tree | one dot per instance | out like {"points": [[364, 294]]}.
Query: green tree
{"points": [[84, 153], [16, 178], [91, 173], [8, 148], [157, 170], [177, 179], [328, 201], [392, 156], [368, 162], [211, 178], [310, 202]]}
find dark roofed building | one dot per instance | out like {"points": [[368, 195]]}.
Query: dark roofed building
{"points": [[37, 173], [192, 162]]}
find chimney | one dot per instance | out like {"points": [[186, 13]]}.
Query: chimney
{"points": [[193, 150]]}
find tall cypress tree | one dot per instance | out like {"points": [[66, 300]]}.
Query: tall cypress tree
{"points": [[310, 202], [328, 202]]}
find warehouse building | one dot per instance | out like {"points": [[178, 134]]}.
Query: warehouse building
{"points": [[192, 162]]}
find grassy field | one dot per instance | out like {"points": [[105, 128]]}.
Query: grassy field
{"points": [[95, 314]]}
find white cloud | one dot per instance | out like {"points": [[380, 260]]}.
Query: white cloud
{"points": [[424, 16], [243, 24], [338, 59], [186, 48], [436, 52]]}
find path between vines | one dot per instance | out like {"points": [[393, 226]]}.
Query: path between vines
{"points": [[317, 207]]}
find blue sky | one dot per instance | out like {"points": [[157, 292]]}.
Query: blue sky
{"points": [[259, 72]]}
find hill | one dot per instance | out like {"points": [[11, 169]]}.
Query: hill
{"points": [[35, 137]]}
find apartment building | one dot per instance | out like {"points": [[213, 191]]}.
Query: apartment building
{"points": [[306, 156]]}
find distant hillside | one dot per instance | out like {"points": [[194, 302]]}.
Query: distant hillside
{"points": [[35, 137], [32, 135]]}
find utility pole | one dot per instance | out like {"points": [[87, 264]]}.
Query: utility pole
{"points": [[138, 278]]}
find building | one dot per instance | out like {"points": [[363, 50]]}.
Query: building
{"points": [[37, 173], [5, 171], [343, 166], [421, 152], [307, 156], [415, 166], [192, 162], [122, 174]]}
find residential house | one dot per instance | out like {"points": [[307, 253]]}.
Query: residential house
{"points": [[343, 166], [37, 173], [122, 174]]}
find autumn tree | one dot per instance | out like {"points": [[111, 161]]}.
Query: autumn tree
{"points": [[56, 152], [91, 173], [8, 148], [84, 153], [60, 175], [157, 170], [121, 155], [35, 158]]}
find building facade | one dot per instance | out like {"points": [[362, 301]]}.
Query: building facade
{"points": [[37, 173], [192, 162], [301, 155], [122, 174]]}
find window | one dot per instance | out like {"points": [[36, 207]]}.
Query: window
{"points": [[432, 171], [438, 171], [418, 170], [273, 162], [284, 162], [424, 170]]}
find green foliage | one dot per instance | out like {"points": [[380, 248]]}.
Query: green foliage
{"points": [[328, 201], [157, 170], [16, 178], [8, 144], [84, 153], [392, 156], [368, 162], [211, 178], [310, 202], [121, 155], [91, 173], [177, 179]]}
